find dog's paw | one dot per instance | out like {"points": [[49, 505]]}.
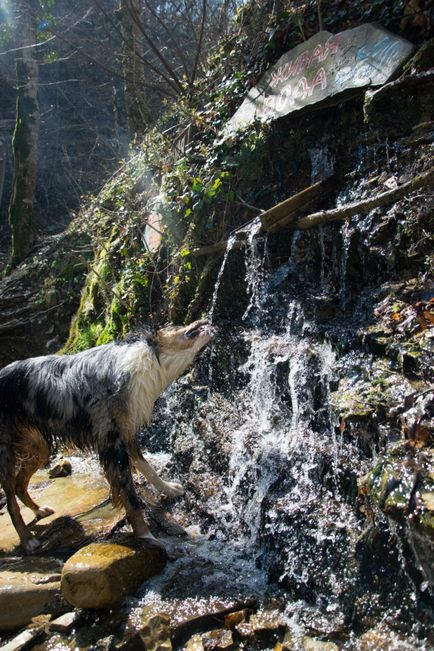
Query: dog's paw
{"points": [[31, 545], [173, 489], [43, 512]]}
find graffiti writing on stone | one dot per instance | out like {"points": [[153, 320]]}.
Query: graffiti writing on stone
{"points": [[322, 67]]}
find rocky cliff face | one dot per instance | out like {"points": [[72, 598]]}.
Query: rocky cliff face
{"points": [[307, 448]]}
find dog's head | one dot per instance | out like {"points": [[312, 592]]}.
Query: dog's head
{"points": [[190, 338]]}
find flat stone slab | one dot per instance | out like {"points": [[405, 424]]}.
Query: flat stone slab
{"points": [[29, 587], [21, 641], [325, 66]]}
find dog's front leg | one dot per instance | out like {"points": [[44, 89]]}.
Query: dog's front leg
{"points": [[170, 489], [28, 541], [115, 461]]}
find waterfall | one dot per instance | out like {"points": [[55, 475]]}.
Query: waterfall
{"points": [[229, 246], [272, 478], [254, 269]]}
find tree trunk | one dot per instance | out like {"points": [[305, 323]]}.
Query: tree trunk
{"points": [[2, 168], [25, 139], [138, 115]]}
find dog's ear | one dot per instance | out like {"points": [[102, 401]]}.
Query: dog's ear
{"points": [[143, 332], [147, 333]]}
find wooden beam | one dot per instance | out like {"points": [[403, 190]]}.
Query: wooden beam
{"points": [[291, 209], [325, 216], [357, 207], [218, 247]]}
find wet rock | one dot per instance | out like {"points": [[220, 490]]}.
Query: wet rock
{"points": [[185, 626], [194, 644], [237, 617], [22, 640], [61, 469], [384, 639], [82, 499], [220, 638], [154, 635], [417, 422], [312, 644], [263, 622], [402, 486], [65, 622], [376, 338], [287, 644], [216, 640], [101, 574], [29, 587]]}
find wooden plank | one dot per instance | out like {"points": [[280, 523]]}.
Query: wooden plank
{"points": [[299, 204]]}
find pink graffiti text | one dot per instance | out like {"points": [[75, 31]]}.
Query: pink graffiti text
{"points": [[279, 102], [304, 61]]}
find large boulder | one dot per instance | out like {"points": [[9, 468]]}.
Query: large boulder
{"points": [[101, 574]]}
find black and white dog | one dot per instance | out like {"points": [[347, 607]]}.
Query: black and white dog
{"points": [[96, 399]]}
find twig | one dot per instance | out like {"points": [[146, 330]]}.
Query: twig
{"points": [[249, 205]]}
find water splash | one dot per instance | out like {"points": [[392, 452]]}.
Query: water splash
{"points": [[346, 232]]}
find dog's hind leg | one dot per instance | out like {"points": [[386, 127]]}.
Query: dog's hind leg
{"points": [[170, 489], [7, 480], [36, 456], [114, 459]]}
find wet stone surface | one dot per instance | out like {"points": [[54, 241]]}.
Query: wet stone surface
{"points": [[100, 575], [29, 587]]}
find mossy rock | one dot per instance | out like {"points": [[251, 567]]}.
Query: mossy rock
{"points": [[423, 59], [401, 485]]}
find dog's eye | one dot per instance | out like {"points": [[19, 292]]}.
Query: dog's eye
{"points": [[192, 334]]}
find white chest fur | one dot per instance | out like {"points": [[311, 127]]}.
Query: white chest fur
{"points": [[149, 377]]}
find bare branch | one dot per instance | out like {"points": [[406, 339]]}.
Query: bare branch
{"points": [[200, 41], [153, 48], [172, 37]]}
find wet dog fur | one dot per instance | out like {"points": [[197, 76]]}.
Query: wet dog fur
{"points": [[94, 400]]}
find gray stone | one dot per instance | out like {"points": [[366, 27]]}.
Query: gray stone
{"points": [[322, 67]]}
